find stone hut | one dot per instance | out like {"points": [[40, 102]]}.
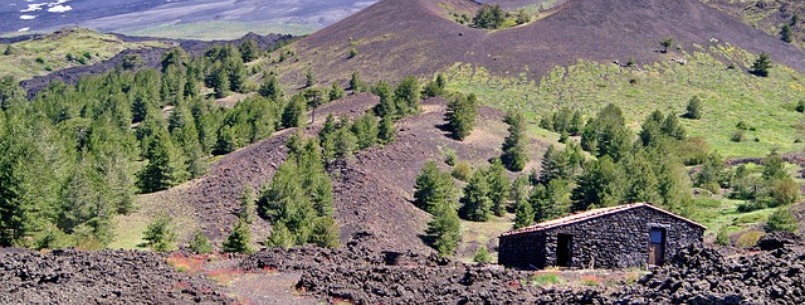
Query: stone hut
{"points": [[634, 235]]}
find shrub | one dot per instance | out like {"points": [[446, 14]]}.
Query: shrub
{"points": [[40, 60], [722, 237], [800, 106], [353, 52], [784, 191], [462, 171], [751, 206], [694, 108], [748, 219], [782, 221], [666, 44], [761, 66], [489, 17], [738, 136], [749, 239], [200, 244], [159, 235], [482, 256], [450, 157]]}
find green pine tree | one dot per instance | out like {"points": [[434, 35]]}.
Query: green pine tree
{"points": [[524, 214], [160, 235], [239, 239], [433, 188], [325, 232], [280, 237], [761, 66], [461, 114], [247, 205], [200, 243], [514, 146], [444, 231], [387, 131], [499, 187], [476, 204]]}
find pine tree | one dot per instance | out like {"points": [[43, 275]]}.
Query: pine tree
{"points": [[237, 75], [524, 214], [280, 237], [601, 184], [461, 113], [162, 170], [310, 79], [642, 181], [694, 109], [86, 201], [365, 129], [249, 51], [551, 201], [774, 167], [436, 87], [408, 96], [785, 34], [433, 188], [220, 83], [160, 235], [387, 131], [489, 17], [444, 230], [200, 244], [761, 66], [336, 92], [271, 88], [667, 44], [325, 232], [247, 205], [782, 221], [356, 84], [476, 204], [345, 144], [239, 239], [386, 107], [607, 134], [293, 115], [499, 187], [514, 146]]}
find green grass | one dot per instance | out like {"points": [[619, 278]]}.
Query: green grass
{"points": [[482, 233], [545, 279], [129, 232], [35, 57], [212, 30], [730, 96]]}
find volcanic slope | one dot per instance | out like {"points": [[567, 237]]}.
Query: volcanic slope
{"points": [[768, 16], [373, 189], [394, 38]]}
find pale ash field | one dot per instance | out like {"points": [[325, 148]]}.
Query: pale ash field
{"points": [[188, 19]]}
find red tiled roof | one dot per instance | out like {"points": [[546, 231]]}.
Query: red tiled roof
{"points": [[592, 214]]}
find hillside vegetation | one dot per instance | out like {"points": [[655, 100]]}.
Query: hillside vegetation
{"points": [[766, 106], [61, 50]]}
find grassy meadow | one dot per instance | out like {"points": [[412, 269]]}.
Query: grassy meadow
{"points": [[61, 50], [731, 95]]}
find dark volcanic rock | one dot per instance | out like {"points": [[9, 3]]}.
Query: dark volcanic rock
{"points": [[107, 277]]}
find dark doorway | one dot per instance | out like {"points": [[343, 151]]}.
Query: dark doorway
{"points": [[656, 246], [564, 250]]}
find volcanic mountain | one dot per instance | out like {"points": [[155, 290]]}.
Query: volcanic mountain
{"points": [[394, 38]]}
